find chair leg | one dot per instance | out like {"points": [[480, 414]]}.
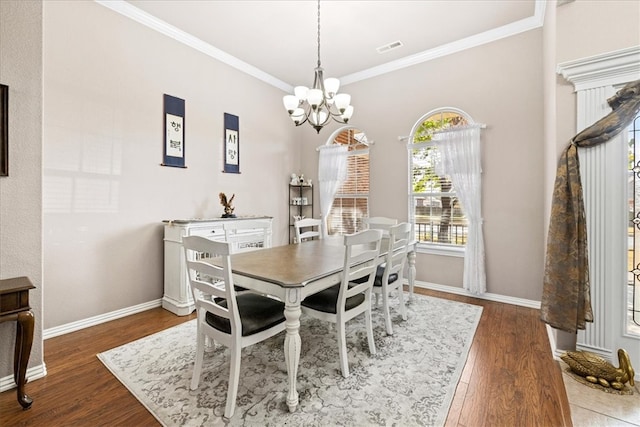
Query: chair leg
{"points": [[234, 379], [197, 366], [342, 348], [369, 326], [403, 308], [385, 310], [209, 343]]}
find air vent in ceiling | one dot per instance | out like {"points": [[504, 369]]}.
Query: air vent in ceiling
{"points": [[390, 46]]}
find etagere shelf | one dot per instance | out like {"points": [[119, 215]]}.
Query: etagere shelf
{"points": [[300, 205]]}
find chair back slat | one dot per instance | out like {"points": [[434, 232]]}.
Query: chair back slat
{"points": [[308, 228], [247, 235], [379, 223], [362, 250]]}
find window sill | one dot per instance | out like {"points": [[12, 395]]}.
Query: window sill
{"points": [[454, 251]]}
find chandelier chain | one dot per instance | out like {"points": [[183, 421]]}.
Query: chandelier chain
{"points": [[320, 103], [318, 33]]}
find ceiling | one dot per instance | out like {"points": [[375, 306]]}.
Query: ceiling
{"points": [[279, 38]]}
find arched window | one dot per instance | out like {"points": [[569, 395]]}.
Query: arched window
{"points": [[434, 209], [351, 202]]}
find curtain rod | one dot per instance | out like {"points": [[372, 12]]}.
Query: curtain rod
{"points": [[469, 126], [320, 147]]}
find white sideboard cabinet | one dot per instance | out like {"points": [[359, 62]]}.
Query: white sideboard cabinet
{"points": [[177, 295]]}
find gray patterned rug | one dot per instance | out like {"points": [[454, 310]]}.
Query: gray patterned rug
{"points": [[409, 382]]}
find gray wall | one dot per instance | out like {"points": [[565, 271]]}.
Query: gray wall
{"points": [[499, 84], [105, 193], [21, 191]]}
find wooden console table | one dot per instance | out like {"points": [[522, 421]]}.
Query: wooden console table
{"points": [[14, 306]]}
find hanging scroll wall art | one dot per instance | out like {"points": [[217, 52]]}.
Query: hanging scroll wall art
{"points": [[173, 132], [4, 130], [231, 144]]}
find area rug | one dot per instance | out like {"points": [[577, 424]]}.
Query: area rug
{"points": [[409, 382]]}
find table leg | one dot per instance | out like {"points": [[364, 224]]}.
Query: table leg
{"points": [[292, 341], [24, 341], [411, 258]]}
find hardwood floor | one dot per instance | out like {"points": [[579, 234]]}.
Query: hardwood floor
{"points": [[510, 378]]}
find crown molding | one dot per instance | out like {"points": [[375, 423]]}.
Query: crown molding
{"points": [[512, 29], [612, 68], [126, 9]]}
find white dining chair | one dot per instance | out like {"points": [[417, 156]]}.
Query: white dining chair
{"points": [[308, 228], [379, 223], [247, 235], [346, 300], [389, 276], [234, 320]]}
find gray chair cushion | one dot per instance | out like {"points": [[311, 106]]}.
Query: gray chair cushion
{"points": [[257, 313], [326, 301]]}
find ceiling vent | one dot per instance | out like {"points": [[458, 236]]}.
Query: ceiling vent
{"points": [[390, 46]]}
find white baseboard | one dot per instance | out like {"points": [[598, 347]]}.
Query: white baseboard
{"points": [[40, 371], [96, 320], [555, 351], [486, 296], [7, 383]]}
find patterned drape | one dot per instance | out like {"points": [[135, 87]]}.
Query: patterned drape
{"points": [[566, 299]]}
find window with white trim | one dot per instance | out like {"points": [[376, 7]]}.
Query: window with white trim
{"points": [[351, 202], [438, 218]]}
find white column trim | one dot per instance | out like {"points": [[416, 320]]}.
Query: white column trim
{"points": [[608, 69]]}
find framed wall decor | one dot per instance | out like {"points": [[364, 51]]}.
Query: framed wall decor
{"points": [[4, 130], [174, 144], [231, 143]]}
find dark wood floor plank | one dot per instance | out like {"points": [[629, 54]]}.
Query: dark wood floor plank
{"points": [[510, 375], [474, 412], [501, 374]]}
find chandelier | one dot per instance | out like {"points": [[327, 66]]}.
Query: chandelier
{"points": [[320, 103]]}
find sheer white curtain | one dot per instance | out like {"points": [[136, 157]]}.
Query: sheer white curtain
{"points": [[460, 160], [332, 172]]}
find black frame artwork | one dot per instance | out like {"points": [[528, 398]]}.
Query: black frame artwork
{"points": [[173, 152], [231, 143], [4, 130]]}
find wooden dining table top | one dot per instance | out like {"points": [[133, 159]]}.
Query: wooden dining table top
{"points": [[293, 265]]}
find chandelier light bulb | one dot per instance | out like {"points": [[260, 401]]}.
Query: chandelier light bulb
{"points": [[318, 118], [301, 92], [290, 102], [315, 97], [347, 114], [342, 101], [331, 86], [297, 116]]}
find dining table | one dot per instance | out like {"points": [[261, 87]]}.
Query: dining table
{"points": [[291, 273]]}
